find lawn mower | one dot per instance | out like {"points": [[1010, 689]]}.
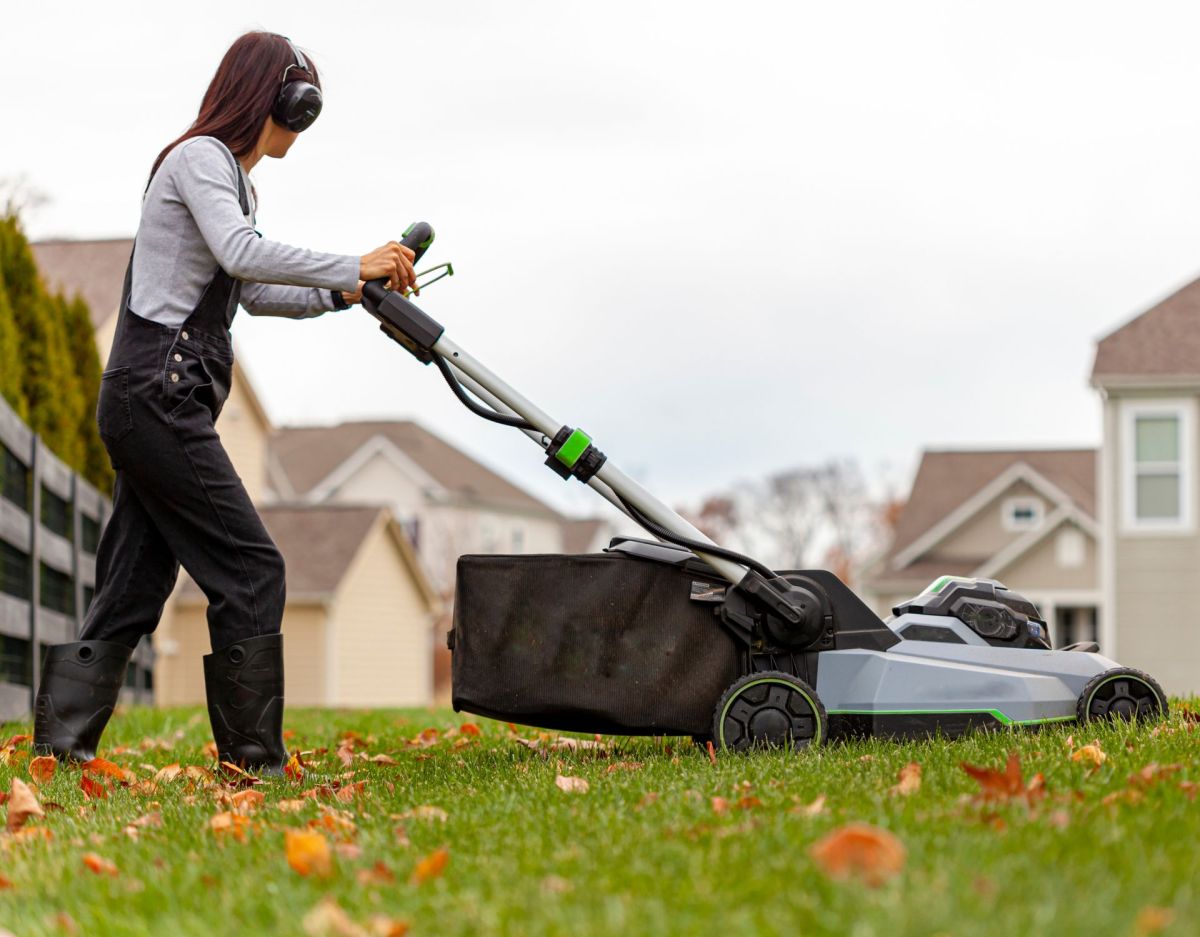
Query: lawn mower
{"points": [[680, 636]]}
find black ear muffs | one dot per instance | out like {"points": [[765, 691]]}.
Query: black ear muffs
{"points": [[298, 102]]}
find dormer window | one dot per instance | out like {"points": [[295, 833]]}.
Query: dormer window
{"points": [[1021, 514]]}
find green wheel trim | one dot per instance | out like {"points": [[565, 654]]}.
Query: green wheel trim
{"points": [[816, 739]]}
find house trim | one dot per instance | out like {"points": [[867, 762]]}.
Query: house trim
{"points": [[1018, 471], [1022, 545], [376, 445]]}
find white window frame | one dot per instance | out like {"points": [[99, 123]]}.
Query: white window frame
{"points": [[1184, 412], [1010, 505], [1070, 547]]}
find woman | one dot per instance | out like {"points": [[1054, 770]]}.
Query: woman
{"points": [[177, 499]]}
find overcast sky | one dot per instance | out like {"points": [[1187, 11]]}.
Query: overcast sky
{"points": [[725, 239]]}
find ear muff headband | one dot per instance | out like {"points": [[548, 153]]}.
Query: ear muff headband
{"points": [[298, 102]]}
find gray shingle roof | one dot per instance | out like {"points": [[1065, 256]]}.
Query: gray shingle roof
{"points": [[1163, 342], [93, 269], [308, 454]]}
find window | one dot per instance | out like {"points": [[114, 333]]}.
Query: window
{"points": [[1070, 548], [57, 515], [16, 661], [1157, 454], [14, 571], [518, 539], [58, 591], [91, 535], [14, 479], [1022, 513]]}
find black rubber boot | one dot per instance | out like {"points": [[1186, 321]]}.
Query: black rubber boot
{"points": [[244, 683], [79, 689]]}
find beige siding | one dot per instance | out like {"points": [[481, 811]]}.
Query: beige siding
{"points": [[1156, 581], [984, 535], [382, 632], [179, 675], [245, 437], [1039, 570]]}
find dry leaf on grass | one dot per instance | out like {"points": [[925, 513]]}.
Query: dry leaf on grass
{"points": [[92, 790], [42, 768], [908, 781], [101, 768], [712, 752], [816, 808], [378, 874], [383, 926], [247, 801], [293, 769], [1152, 774], [1090, 754], [424, 812], [719, 805], [1152, 920], [290, 806], [308, 853], [5, 882], [383, 760], [469, 728], [327, 919], [571, 785], [22, 804], [860, 850], [432, 866], [99, 865], [1007, 784], [229, 824]]}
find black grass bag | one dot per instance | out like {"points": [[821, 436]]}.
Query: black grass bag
{"points": [[597, 643]]}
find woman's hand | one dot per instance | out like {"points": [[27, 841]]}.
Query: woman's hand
{"points": [[353, 299], [394, 261]]}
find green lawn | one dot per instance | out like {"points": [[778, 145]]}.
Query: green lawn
{"points": [[643, 851]]}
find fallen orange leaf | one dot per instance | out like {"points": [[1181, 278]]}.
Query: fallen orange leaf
{"points": [[432, 866], [5, 882], [1152, 920], [382, 926], [862, 850], [92, 790], [327, 919], [22, 804], [229, 824], [308, 853], [106, 769], [908, 781], [720, 805], [816, 808], [1090, 753], [293, 768], [378, 874], [248, 800], [469, 728], [42, 768], [99, 865], [1006, 784]]}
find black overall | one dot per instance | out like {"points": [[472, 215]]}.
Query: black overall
{"points": [[177, 497]]}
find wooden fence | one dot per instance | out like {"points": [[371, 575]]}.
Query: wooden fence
{"points": [[50, 523]]}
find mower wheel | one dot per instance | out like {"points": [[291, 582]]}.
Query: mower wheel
{"points": [[771, 709], [1122, 693]]}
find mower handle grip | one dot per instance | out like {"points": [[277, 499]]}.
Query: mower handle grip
{"points": [[416, 237]]}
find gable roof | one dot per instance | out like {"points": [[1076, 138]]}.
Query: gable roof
{"points": [[946, 480], [307, 455], [1163, 342], [319, 542], [93, 269]]}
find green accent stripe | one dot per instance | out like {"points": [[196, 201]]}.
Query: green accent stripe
{"points": [[994, 713], [573, 448]]}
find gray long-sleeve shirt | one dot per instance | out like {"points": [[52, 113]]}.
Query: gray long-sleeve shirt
{"points": [[192, 223]]}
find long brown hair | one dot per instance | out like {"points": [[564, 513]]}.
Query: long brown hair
{"points": [[241, 93]]}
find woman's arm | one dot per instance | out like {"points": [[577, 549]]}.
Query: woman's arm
{"points": [[205, 180], [294, 302]]}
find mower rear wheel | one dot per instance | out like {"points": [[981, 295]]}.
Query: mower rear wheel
{"points": [[1122, 693], [771, 709]]}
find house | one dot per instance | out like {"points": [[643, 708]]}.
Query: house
{"points": [[1024, 517], [448, 503], [1148, 376], [323, 618], [358, 626]]}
